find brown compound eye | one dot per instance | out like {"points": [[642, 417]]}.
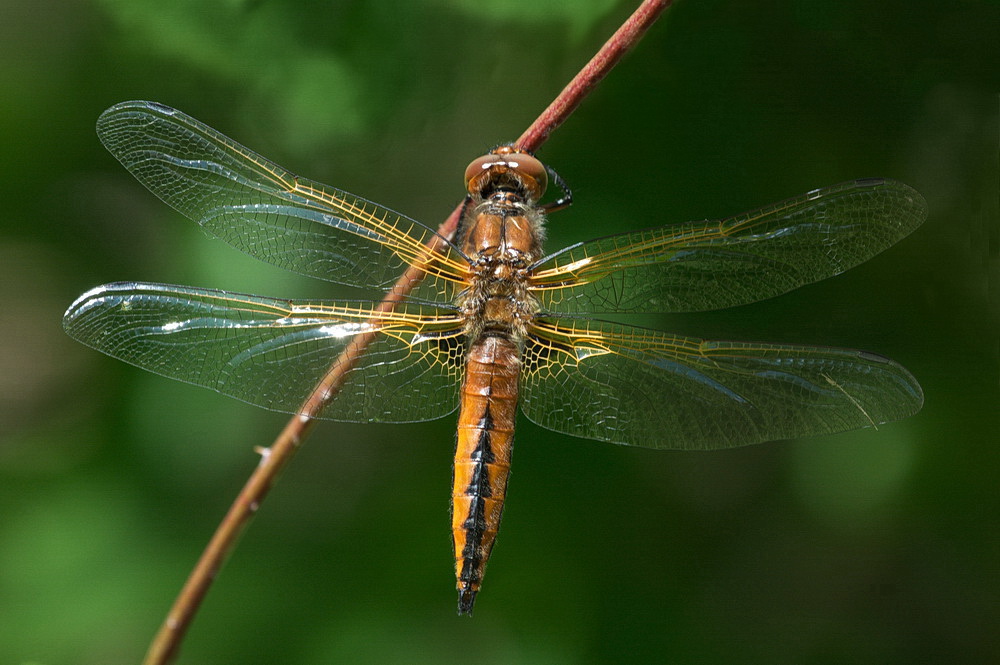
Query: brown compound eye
{"points": [[532, 173], [507, 161], [478, 170]]}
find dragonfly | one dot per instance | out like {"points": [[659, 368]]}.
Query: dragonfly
{"points": [[495, 323]]}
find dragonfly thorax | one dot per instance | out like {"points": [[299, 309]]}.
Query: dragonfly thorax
{"points": [[497, 299], [502, 238]]}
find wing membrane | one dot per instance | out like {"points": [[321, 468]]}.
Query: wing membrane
{"points": [[272, 352], [646, 388], [268, 212], [749, 257]]}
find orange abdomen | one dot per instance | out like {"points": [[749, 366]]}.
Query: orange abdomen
{"points": [[482, 457]]}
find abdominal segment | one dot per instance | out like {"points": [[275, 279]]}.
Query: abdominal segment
{"points": [[482, 457]]}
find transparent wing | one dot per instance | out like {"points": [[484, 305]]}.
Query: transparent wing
{"points": [[645, 388], [272, 352], [713, 264], [268, 212]]}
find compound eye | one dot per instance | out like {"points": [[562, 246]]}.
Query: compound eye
{"points": [[507, 162], [479, 169], [532, 172]]}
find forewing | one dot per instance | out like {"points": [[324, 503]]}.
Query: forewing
{"points": [[646, 388], [272, 353], [714, 264], [268, 212]]}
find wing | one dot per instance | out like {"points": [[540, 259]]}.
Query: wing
{"points": [[268, 212], [645, 388], [273, 353], [713, 264]]}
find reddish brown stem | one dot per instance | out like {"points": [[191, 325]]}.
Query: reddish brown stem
{"points": [[167, 641], [627, 36]]}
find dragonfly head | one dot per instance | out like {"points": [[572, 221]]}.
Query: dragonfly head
{"points": [[506, 167]]}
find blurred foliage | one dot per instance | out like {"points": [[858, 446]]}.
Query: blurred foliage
{"points": [[867, 547]]}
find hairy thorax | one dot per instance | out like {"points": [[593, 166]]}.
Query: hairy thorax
{"points": [[502, 239]]}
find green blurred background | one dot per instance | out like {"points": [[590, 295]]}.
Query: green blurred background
{"points": [[866, 547]]}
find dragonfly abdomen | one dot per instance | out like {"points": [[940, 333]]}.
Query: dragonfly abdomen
{"points": [[482, 457]]}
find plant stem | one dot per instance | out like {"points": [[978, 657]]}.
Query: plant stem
{"points": [[165, 645], [626, 37]]}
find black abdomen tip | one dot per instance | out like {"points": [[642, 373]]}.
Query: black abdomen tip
{"points": [[466, 599]]}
